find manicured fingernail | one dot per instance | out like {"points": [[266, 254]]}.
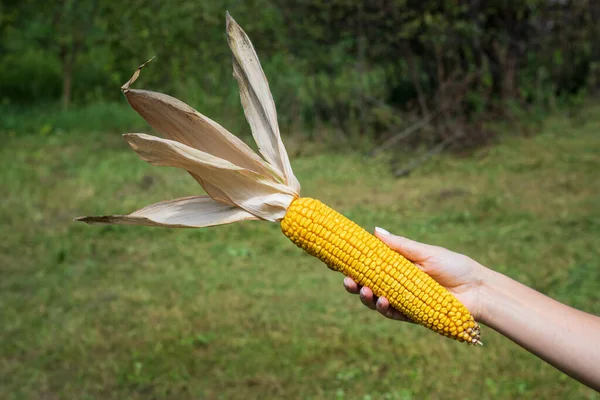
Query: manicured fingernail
{"points": [[381, 231]]}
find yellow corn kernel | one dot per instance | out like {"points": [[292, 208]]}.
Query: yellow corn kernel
{"points": [[345, 247]]}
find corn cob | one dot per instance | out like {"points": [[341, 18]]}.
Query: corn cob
{"points": [[347, 248], [243, 186]]}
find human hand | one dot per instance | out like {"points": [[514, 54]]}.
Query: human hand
{"points": [[461, 275]]}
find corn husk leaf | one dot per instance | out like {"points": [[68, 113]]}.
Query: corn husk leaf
{"points": [[258, 103], [253, 192], [188, 212], [177, 121]]}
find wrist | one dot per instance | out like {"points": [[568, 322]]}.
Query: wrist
{"points": [[491, 296]]}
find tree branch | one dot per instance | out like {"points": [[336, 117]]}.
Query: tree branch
{"points": [[417, 162], [404, 134]]}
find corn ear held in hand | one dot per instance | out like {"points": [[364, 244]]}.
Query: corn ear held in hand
{"points": [[347, 248], [242, 185]]}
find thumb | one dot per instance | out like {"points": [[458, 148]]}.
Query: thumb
{"points": [[414, 251]]}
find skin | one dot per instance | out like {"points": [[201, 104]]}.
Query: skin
{"points": [[564, 337]]}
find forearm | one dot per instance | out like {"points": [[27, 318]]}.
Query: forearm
{"points": [[564, 337]]}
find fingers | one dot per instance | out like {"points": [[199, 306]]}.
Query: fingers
{"points": [[365, 294], [367, 297], [351, 286], [381, 304], [384, 308], [414, 251]]}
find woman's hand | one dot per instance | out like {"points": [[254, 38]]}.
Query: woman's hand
{"points": [[561, 335], [461, 275]]}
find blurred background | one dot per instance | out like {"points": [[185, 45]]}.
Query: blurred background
{"points": [[469, 124]]}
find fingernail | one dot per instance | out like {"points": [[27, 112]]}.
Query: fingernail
{"points": [[346, 282], [379, 302], [381, 231], [362, 292]]}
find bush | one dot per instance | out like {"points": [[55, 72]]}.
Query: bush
{"points": [[29, 77]]}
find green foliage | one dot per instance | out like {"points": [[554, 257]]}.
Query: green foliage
{"points": [[27, 80], [338, 63], [238, 312]]}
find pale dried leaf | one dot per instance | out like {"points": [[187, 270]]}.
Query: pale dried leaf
{"points": [[239, 185], [188, 212], [135, 75], [178, 121], [258, 103]]}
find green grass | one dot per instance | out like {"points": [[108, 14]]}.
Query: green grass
{"points": [[238, 312]]}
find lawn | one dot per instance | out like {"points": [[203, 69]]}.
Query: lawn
{"points": [[238, 312]]}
